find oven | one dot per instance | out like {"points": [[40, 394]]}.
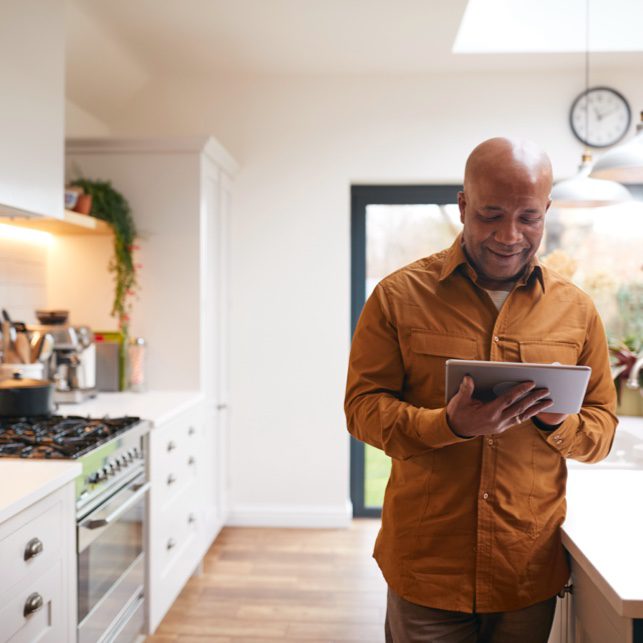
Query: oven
{"points": [[111, 566], [111, 509]]}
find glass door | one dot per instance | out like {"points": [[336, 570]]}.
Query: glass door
{"points": [[391, 226]]}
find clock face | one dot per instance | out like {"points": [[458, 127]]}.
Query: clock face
{"points": [[600, 117]]}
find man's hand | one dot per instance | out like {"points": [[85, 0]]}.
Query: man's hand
{"points": [[468, 417]]}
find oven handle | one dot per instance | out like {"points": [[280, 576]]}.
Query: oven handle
{"points": [[141, 489]]}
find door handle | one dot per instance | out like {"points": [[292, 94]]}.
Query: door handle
{"points": [[103, 522]]}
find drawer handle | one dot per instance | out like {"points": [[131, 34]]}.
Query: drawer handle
{"points": [[33, 604], [568, 589], [191, 460], [191, 519], [33, 548], [171, 544], [171, 479], [171, 445], [191, 431]]}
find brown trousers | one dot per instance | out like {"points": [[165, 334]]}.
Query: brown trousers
{"points": [[410, 623]]}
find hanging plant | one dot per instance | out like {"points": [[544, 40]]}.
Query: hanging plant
{"points": [[112, 207]]}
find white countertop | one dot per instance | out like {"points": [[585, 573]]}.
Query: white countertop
{"points": [[603, 531], [24, 482], [156, 406]]}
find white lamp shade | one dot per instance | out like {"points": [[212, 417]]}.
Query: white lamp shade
{"points": [[581, 191], [624, 163]]}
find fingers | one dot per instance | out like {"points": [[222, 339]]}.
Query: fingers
{"points": [[529, 405], [467, 386]]}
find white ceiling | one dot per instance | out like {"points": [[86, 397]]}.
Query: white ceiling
{"points": [[114, 47]]}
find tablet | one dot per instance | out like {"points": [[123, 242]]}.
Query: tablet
{"points": [[566, 384]]}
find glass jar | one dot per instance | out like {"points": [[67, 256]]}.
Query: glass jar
{"points": [[136, 364]]}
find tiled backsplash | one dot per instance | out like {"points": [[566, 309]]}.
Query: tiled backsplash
{"points": [[23, 277]]}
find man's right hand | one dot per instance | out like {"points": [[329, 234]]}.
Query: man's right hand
{"points": [[469, 417]]}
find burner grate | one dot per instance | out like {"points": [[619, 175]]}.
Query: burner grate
{"points": [[57, 436]]}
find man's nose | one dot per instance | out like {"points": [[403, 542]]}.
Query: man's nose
{"points": [[508, 233]]}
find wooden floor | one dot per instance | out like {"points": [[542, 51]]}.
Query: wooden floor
{"points": [[312, 585]]}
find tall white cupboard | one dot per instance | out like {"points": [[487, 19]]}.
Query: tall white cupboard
{"points": [[179, 191]]}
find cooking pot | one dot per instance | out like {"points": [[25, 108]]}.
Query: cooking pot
{"points": [[22, 397]]}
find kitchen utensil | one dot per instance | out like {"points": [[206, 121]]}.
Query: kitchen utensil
{"points": [[30, 371], [22, 348], [24, 397], [46, 347], [9, 355], [51, 317], [20, 327], [35, 343]]}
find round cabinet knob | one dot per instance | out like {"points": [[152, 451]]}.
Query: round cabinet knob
{"points": [[171, 445], [33, 603], [171, 479], [191, 519], [171, 544], [33, 548], [191, 460], [191, 431]]}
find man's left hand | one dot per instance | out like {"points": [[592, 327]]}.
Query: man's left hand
{"points": [[552, 418]]}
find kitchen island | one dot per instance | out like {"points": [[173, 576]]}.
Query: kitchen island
{"points": [[603, 533]]}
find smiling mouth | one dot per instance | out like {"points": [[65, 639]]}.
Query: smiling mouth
{"points": [[504, 255]]}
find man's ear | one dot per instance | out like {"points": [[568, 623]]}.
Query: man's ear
{"points": [[462, 203], [547, 206]]}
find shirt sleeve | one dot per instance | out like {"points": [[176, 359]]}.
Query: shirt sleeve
{"points": [[375, 410], [587, 436]]}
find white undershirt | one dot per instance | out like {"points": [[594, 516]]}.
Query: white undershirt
{"points": [[498, 297]]}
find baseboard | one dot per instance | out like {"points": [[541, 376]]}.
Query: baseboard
{"points": [[301, 516]]}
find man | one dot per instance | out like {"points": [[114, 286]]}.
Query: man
{"points": [[470, 540]]}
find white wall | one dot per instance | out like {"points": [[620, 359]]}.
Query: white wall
{"points": [[301, 142], [80, 122]]}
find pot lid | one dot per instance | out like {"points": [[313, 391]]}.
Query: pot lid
{"points": [[17, 381]]}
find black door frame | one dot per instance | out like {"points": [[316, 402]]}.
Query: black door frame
{"points": [[361, 197]]}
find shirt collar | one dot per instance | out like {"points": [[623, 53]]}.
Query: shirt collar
{"points": [[455, 258]]}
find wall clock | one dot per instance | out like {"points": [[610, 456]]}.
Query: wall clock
{"points": [[600, 117]]}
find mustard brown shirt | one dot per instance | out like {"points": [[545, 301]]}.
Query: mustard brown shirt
{"points": [[472, 524]]}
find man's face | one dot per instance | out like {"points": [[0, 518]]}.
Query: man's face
{"points": [[504, 219]]}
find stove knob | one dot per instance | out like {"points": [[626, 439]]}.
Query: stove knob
{"points": [[105, 472], [94, 477], [130, 455]]}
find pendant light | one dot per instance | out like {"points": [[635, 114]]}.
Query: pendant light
{"points": [[623, 163], [581, 191]]}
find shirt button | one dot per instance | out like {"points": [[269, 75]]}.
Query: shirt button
{"points": [[496, 338], [485, 495], [490, 442]]}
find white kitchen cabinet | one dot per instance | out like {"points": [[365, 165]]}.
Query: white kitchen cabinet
{"points": [[179, 192], [177, 538], [38, 563], [32, 109]]}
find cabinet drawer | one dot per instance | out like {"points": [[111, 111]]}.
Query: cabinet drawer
{"points": [[178, 522], [174, 456], [30, 542], [47, 622]]}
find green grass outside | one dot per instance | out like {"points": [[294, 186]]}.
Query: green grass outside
{"points": [[377, 466]]}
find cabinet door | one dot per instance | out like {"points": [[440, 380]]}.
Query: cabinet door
{"points": [[32, 73], [595, 620]]}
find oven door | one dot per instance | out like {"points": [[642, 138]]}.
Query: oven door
{"points": [[111, 563]]}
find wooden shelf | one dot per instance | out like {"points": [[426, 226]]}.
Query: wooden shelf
{"points": [[71, 223]]}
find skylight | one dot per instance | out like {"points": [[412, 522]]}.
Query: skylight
{"points": [[549, 26]]}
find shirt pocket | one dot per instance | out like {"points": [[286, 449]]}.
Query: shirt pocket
{"points": [[547, 352], [425, 369]]}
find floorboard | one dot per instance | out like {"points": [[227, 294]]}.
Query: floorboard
{"points": [[260, 585]]}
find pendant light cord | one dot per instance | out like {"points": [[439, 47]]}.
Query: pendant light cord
{"points": [[586, 71]]}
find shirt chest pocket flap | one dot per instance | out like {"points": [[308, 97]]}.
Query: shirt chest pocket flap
{"points": [[440, 345], [547, 352]]}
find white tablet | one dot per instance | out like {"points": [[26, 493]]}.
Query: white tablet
{"points": [[566, 384]]}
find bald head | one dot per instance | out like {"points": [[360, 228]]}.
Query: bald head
{"points": [[502, 207], [505, 159]]}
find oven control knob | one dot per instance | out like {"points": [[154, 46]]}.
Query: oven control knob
{"points": [[124, 461], [94, 477], [130, 455], [104, 473]]}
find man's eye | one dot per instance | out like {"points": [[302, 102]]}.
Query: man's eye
{"points": [[493, 217], [531, 219]]}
